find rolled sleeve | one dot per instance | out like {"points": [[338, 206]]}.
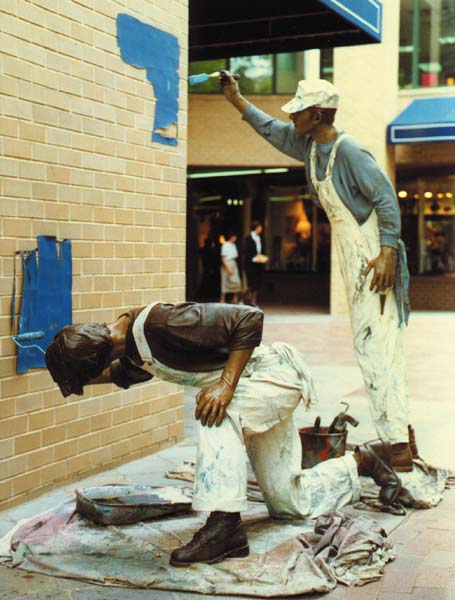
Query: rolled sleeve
{"points": [[247, 333], [125, 373]]}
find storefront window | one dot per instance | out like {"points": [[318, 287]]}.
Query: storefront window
{"points": [[256, 73], [265, 74], [298, 231], [211, 86], [428, 223], [427, 43]]}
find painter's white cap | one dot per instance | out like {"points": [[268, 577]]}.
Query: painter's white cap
{"points": [[313, 92]]}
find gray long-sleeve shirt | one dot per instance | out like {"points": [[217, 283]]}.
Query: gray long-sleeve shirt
{"points": [[360, 182]]}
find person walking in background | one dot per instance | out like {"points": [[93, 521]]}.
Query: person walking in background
{"points": [[363, 211], [254, 261], [230, 278]]}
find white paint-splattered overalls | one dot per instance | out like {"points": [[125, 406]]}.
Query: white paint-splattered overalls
{"points": [[378, 339], [260, 419]]}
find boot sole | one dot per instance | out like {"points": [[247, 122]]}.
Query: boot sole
{"points": [[235, 553]]}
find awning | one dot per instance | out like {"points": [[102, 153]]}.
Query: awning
{"points": [[242, 28], [424, 120]]}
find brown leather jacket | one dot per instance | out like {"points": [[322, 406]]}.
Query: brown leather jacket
{"points": [[189, 337]]}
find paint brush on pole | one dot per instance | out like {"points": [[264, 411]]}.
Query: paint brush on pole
{"points": [[203, 77]]}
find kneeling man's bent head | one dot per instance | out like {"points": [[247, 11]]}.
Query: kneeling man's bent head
{"points": [[78, 354]]}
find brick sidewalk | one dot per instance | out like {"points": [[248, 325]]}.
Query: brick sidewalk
{"points": [[424, 568], [425, 542]]}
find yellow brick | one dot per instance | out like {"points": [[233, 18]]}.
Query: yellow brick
{"points": [[90, 301], [58, 174], [27, 442], [69, 194], [7, 410], [6, 449], [103, 284], [32, 131], [103, 249], [134, 234], [125, 217], [39, 458], [6, 490], [70, 158], [66, 449], [59, 212], [100, 421], [72, 231], [122, 415], [45, 153], [45, 115], [89, 442], [7, 367], [51, 435], [44, 191], [26, 483], [17, 148], [41, 381], [84, 178], [30, 209], [111, 299], [14, 426], [124, 250], [9, 167], [79, 427], [9, 127], [82, 33], [93, 232], [66, 413], [54, 472], [89, 407], [81, 213], [45, 228], [40, 420], [14, 387]]}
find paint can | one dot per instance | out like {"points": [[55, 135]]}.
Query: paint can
{"points": [[319, 445]]}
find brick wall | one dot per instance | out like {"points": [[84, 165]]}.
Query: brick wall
{"points": [[77, 162], [432, 292]]}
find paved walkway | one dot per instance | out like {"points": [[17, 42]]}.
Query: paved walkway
{"points": [[425, 540]]}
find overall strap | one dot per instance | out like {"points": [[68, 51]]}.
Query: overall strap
{"points": [[138, 332], [333, 154]]}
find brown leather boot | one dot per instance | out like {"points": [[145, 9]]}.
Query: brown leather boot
{"points": [[375, 462], [401, 458], [222, 536]]}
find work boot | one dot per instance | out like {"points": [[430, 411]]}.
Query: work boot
{"points": [[402, 458], [222, 536], [375, 461]]}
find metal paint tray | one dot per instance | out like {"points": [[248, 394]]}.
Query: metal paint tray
{"points": [[122, 504]]}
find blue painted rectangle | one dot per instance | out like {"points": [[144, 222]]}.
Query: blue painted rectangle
{"points": [[366, 14], [424, 120], [46, 298]]}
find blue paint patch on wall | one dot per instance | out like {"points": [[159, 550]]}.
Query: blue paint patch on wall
{"points": [[157, 52], [46, 298]]}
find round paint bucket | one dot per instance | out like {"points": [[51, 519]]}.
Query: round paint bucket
{"points": [[320, 446]]}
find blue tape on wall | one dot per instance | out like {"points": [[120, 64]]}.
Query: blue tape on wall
{"points": [[157, 51], [46, 300]]}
